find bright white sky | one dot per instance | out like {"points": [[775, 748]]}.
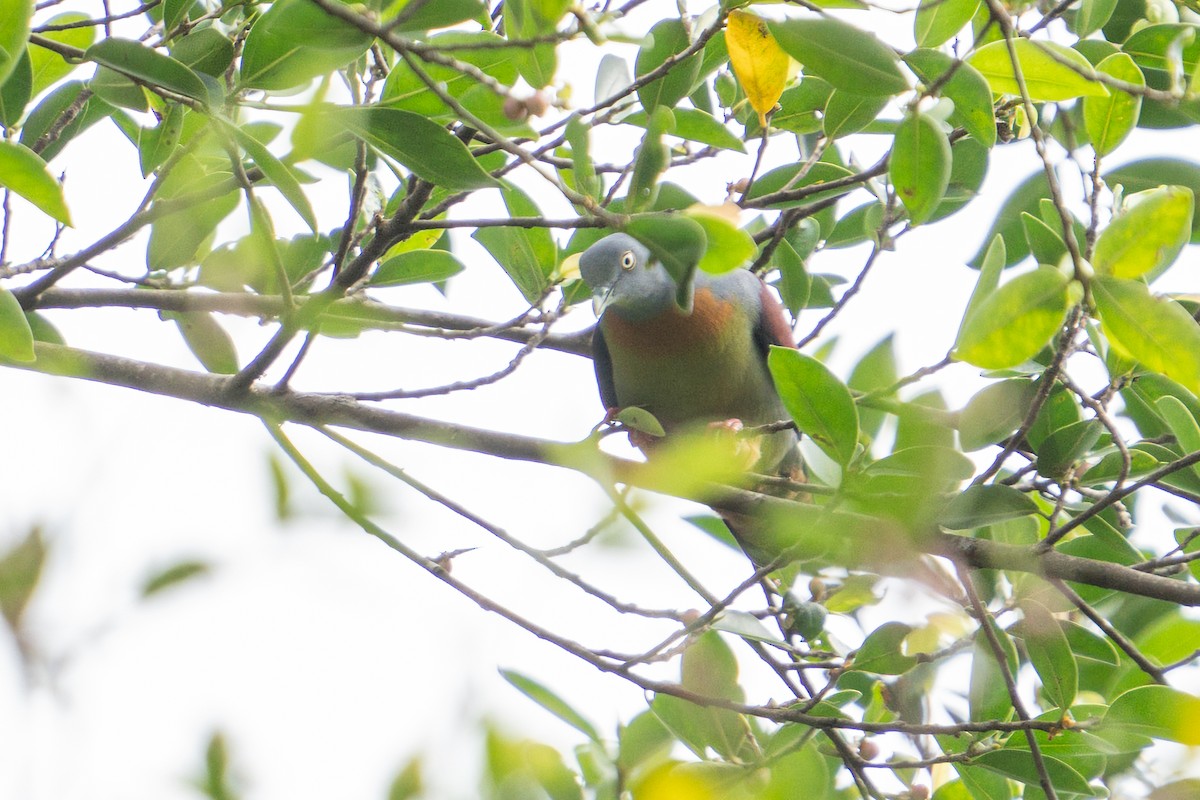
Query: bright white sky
{"points": [[326, 658]]}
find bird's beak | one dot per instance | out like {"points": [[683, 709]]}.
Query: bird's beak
{"points": [[602, 298]]}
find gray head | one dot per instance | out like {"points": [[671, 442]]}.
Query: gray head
{"points": [[623, 275]]}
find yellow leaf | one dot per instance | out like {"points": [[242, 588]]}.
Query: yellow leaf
{"points": [[758, 61]]}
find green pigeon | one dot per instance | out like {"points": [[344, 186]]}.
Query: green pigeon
{"points": [[704, 365]]}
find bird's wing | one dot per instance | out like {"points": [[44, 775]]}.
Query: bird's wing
{"points": [[602, 361], [771, 326]]}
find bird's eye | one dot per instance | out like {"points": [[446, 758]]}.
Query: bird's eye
{"points": [[628, 260]]}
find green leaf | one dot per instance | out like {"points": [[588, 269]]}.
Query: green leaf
{"points": [[1016, 321], [817, 400], [1067, 445], [966, 87], [989, 277], [1157, 711], [529, 19], [528, 255], [48, 112], [847, 113], [920, 165], [745, 625], [174, 575], [800, 106], [20, 569], [586, 181], [1155, 331], [679, 242], [1007, 224], [1020, 767], [157, 144], [786, 177], [1150, 173], [416, 266], [938, 20], [550, 701], [16, 337], [795, 284], [988, 693], [1164, 47], [1047, 77], [652, 159], [425, 147], [50, 67], [208, 341], [978, 506], [1109, 120], [277, 173], [1148, 235], [294, 42], [16, 91], [119, 90], [1086, 644], [847, 57], [408, 784], [642, 740], [666, 39], [1091, 16], [177, 239], [175, 12], [24, 173], [429, 16], [876, 370], [1045, 242], [1050, 653], [727, 246], [138, 61], [994, 413], [14, 33], [204, 50], [696, 126], [858, 225], [881, 651]]}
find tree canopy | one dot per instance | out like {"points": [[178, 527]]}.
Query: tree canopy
{"points": [[1049, 522]]}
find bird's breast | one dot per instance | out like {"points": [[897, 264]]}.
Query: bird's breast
{"points": [[672, 332]]}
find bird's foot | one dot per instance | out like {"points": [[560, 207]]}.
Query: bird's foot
{"points": [[746, 449]]}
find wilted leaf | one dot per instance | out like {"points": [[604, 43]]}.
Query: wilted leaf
{"points": [[758, 61]]}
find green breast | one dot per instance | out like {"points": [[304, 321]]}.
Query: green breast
{"points": [[691, 368]]}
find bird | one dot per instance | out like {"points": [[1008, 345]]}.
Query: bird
{"points": [[703, 365]]}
